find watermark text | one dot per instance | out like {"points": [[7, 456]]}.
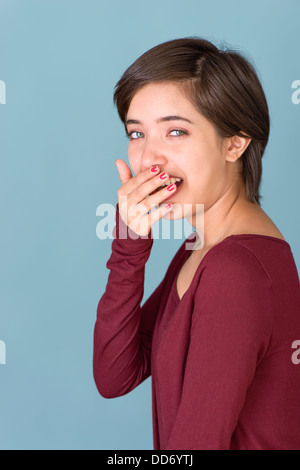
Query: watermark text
{"points": [[161, 229], [296, 354], [2, 92], [2, 352], [296, 93]]}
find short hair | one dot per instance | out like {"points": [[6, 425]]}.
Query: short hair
{"points": [[222, 85]]}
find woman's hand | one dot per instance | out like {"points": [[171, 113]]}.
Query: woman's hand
{"points": [[134, 197]]}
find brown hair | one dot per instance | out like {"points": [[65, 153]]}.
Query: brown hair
{"points": [[222, 85]]}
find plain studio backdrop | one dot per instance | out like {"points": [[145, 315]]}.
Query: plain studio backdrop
{"points": [[60, 136]]}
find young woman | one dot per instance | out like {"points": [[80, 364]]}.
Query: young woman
{"points": [[216, 335]]}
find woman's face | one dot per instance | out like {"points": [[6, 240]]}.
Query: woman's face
{"points": [[165, 129]]}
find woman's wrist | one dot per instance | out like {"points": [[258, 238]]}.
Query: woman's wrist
{"points": [[121, 231]]}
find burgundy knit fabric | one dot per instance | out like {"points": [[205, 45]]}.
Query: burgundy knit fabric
{"points": [[221, 357]]}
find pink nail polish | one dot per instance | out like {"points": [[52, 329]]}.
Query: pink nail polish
{"points": [[168, 206], [171, 187], [163, 176], [154, 169]]}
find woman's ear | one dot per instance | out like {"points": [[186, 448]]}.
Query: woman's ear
{"points": [[236, 146]]}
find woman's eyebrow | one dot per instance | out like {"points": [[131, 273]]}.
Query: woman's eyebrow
{"points": [[162, 119], [173, 118]]}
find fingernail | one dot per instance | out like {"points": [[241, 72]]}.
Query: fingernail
{"points": [[154, 169], [163, 176], [168, 206], [171, 187]]}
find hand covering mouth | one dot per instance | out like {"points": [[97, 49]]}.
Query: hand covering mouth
{"points": [[172, 179]]}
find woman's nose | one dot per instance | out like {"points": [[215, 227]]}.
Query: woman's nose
{"points": [[153, 154]]}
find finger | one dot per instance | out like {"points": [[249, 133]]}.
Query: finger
{"points": [[155, 215], [138, 181], [144, 204], [142, 223], [124, 171]]}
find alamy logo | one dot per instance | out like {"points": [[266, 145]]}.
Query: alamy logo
{"points": [[2, 92], [296, 94], [105, 228], [296, 354], [2, 352]]}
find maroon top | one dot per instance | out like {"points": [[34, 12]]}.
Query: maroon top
{"points": [[221, 357]]}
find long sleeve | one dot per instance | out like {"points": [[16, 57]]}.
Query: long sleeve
{"points": [[123, 330], [230, 332]]}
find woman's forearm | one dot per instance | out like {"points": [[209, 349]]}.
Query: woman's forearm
{"points": [[121, 351]]}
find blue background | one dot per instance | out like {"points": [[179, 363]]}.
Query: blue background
{"points": [[59, 138]]}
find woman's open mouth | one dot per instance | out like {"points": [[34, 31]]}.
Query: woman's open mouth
{"points": [[173, 179]]}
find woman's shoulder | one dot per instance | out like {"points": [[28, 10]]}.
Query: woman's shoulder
{"points": [[252, 242], [248, 261]]}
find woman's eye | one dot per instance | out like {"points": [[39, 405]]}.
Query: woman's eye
{"points": [[135, 135], [178, 132]]}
